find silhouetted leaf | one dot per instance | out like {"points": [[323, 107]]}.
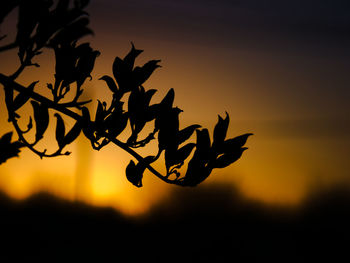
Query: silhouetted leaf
{"points": [[85, 65], [116, 123], [60, 131], [220, 130], [133, 174], [186, 133], [23, 96], [141, 74], [110, 83], [100, 115], [135, 109], [6, 139], [131, 56], [234, 143], [148, 96], [203, 147], [197, 172], [153, 112], [121, 74], [86, 114], [174, 157], [66, 59], [227, 159], [185, 151], [168, 100], [168, 125], [8, 149], [41, 117], [73, 133]]}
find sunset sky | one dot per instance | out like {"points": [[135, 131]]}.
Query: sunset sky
{"points": [[279, 68]]}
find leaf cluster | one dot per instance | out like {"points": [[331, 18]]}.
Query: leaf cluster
{"points": [[41, 24]]}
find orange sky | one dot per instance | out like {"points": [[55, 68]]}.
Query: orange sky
{"points": [[294, 100]]}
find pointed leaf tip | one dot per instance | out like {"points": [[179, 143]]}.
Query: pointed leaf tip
{"points": [[168, 100], [220, 130]]}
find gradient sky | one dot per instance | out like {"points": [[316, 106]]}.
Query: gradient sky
{"points": [[279, 68]]}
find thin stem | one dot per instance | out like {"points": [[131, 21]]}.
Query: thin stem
{"points": [[6, 81]]}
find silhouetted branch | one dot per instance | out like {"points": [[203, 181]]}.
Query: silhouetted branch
{"points": [[7, 81], [41, 26]]}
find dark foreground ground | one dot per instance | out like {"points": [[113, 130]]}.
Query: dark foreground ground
{"points": [[205, 224]]}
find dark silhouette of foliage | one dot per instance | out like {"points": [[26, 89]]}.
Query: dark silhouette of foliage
{"points": [[59, 26], [8, 149]]}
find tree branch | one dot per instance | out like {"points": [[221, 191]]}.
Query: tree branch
{"points": [[7, 81]]}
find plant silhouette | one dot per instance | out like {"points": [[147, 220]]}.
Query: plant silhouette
{"points": [[59, 26]]}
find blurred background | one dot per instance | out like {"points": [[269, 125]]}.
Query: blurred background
{"points": [[279, 68]]}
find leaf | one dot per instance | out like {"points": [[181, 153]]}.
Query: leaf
{"points": [[168, 125], [227, 159], [135, 102], [100, 115], [41, 117], [170, 158], [235, 143], [116, 123], [129, 59], [184, 152], [86, 114], [23, 96], [203, 148], [197, 172], [7, 149], [85, 65], [186, 133], [168, 100], [133, 174], [73, 133], [148, 96], [175, 157], [153, 112], [110, 83], [135, 108], [6, 139], [121, 74], [220, 130], [60, 131], [141, 74]]}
